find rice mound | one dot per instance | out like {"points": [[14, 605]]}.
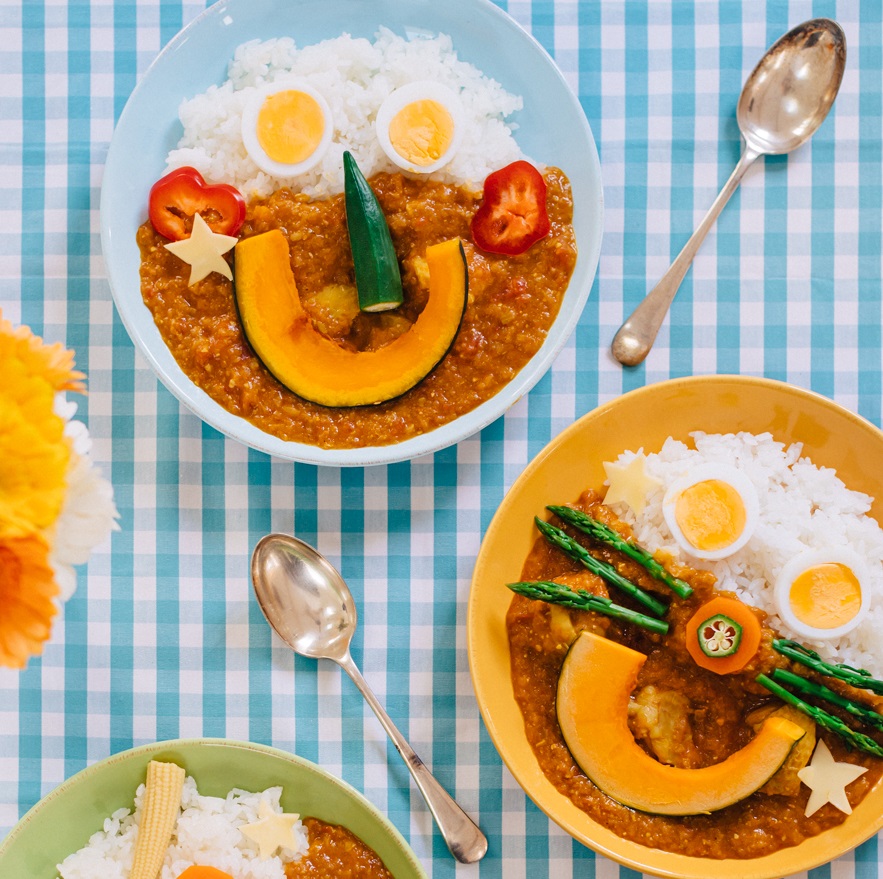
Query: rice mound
{"points": [[206, 833], [354, 76], [802, 506]]}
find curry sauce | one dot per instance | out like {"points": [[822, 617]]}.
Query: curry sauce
{"points": [[512, 303], [336, 853], [680, 713]]}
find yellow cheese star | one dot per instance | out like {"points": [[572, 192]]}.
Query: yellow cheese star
{"points": [[273, 831], [204, 251], [828, 780], [630, 483]]}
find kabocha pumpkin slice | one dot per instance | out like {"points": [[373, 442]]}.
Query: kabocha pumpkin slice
{"points": [[317, 368], [597, 678]]}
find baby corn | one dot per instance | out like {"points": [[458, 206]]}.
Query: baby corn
{"points": [[162, 800]]}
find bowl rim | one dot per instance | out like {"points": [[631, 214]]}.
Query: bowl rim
{"points": [[84, 774], [674, 867], [462, 427]]}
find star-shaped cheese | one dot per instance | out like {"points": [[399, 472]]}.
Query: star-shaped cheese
{"points": [[273, 831], [204, 251], [827, 780], [630, 483]]}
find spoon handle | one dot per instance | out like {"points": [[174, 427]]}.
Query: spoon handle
{"points": [[462, 836], [635, 337]]}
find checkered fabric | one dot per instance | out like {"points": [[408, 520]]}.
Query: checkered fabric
{"points": [[162, 638]]}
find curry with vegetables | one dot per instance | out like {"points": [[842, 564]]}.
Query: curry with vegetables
{"points": [[511, 304], [666, 728]]}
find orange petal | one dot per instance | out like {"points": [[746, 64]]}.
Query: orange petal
{"points": [[54, 362], [27, 590], [34, 457]]}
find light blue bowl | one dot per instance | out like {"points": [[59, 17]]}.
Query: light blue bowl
{"points": [[552, 128]]}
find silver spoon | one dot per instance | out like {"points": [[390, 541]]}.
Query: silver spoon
{"points": [[784, 100], [309, 606]]}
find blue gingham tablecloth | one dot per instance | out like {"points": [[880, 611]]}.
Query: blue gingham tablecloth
{"points": [[162, 638]]}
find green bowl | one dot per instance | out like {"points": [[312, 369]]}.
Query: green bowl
{"points": [[63, 821]]}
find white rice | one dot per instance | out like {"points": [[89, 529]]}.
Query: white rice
{"points": [[354, 76], [207, 833], [802, 506]]}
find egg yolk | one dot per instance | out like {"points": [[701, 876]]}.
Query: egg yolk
{"points": [[421, 132], [710, 514], [290, 126], [826, 596]]}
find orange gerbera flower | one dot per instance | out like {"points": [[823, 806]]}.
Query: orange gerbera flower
{"points": [[34, 455], [54, 363], [27, 590], [34, 452]]}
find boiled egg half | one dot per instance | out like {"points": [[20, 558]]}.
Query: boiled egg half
{"points": [[419, 126], [712, 511], [286, 128], [823, 593]]}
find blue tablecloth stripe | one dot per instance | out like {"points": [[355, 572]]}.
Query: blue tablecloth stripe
{"points": [[870, 209], [867, 859], [33, 158], [681, 107], [727, 238]]}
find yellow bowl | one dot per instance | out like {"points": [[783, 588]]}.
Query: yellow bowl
{"points": [[831, 436]]}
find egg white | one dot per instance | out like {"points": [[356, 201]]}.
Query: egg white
{"points": [[250, 134], [408, 94], [702, 473], [809, 559]]}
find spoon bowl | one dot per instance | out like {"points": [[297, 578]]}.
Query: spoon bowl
{"points": [[789, 93], [308, 604], [303, 597], [784, 100]]}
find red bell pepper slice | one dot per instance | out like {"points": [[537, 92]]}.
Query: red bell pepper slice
{"points": [[513, 214], [179, 195]]}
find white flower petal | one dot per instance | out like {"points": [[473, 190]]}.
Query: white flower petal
{"points": [[88, 514], [66, 577]]}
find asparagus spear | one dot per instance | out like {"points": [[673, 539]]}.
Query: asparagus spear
{"points": [[857, 677], [811, 688], [822, 718], [607, 535], [607, 572], [557, 593]]}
